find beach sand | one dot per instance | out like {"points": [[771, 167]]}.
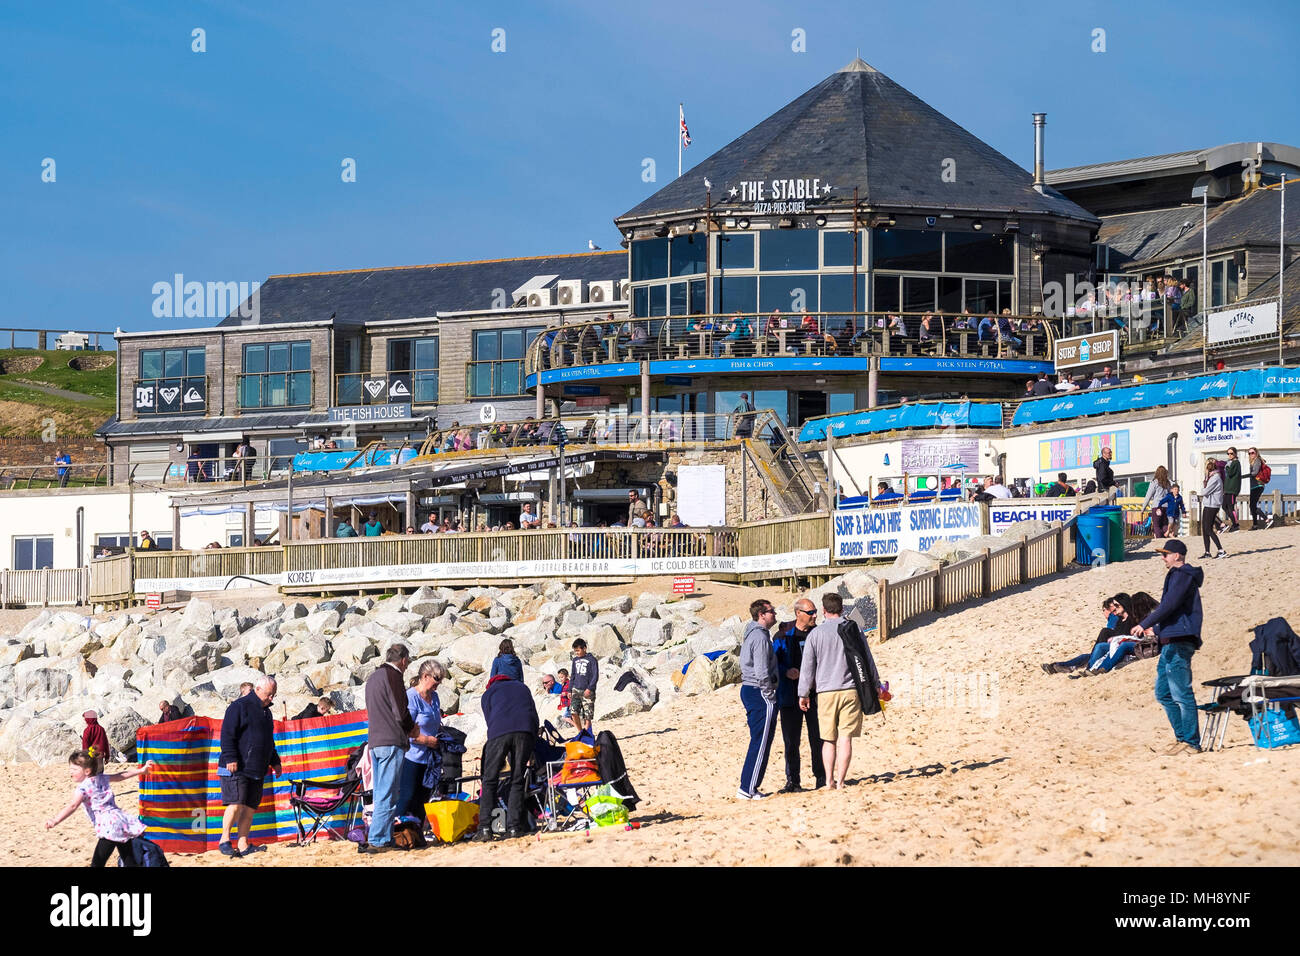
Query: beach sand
{"points": [[981, 759]]}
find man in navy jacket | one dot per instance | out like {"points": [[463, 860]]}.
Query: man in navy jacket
{"points": [[788, 643], [247, 753], [1176, 621], [511, 732]]}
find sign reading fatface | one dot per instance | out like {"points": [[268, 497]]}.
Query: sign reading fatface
{"points": [[778, 195], [1091, 349], [1233, 324]]}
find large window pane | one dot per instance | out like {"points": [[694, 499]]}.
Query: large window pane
{"points": [[736, 250], [255, 358], [508, 381], [950, 291], [174, 362], [735, 294], [1231, 276], [512, 344], [1216, 283], [196, 361], [640, 302], [975, 252], [487, 346], [677, 298], [300, 358], [24, 556], [982, 296], [689, 254], [151, 363], [1004, 294], [784, 250], [274, 390], [399, 355], [658, 300], [837, 248], [788, 293], [837, 403], [300, 388], [277, 357], [250, 394], [649, 259], [918, 294], [837, 293], [426, 353], [426, 387], [911, 249], [698, 305], [481, 380], [885, 298]]}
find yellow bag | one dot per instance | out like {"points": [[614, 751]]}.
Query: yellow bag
{"points": [[451, 819]]}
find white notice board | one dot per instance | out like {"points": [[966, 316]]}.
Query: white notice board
{"points": [[702, 494]]}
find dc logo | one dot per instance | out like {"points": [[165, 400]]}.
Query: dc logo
{"points": [[144, 397]]}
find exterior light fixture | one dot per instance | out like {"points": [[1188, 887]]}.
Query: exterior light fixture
{"points": [[742, 223], [821, 221], [977, 225]]}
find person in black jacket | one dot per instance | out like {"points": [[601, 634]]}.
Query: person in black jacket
{"points": [[247, 753], [1060, 488], [511, 733], [788, 643], [1105, 474], [1177, 622]]}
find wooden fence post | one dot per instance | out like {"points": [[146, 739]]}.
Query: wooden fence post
{"points": [[882, 610], [1024, 560], [984, 517], [1277, 507], [986, 574], [45, 587]]}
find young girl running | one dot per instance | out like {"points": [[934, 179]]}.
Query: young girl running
{"points": [[114, 827]]}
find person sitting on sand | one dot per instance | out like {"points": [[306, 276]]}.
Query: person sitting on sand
{"points": [[1119, 620]]}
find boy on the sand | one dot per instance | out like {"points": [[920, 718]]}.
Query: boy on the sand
{"points": [[1177, 622], [582, 686]]}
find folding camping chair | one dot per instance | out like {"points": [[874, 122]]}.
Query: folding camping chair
{"points": [[320, 802], [1225, 699], [1269, 725]]}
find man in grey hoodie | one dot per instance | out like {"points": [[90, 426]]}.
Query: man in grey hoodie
{"points": [[758, 679]]}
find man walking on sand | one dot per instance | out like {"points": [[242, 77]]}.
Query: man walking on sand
{"points": [[827, 670], [247, 754], [1176, 620], [758, 680]]}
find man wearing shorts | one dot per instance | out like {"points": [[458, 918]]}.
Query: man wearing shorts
{"points": [[247, 753], [826, 671], [582, 686]]}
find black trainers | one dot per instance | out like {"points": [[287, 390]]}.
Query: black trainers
{"points": [[225, 849], [1207, 555], [483, 835], [820, 783], [790, 787]]}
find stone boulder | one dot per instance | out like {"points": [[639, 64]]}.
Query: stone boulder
{"points": [[38, 739], [197, 622], [473, 653], [223, 682], [713, 639], [473, 726], [43, 678], [121, 725], [352, 649], [619, 605], [402, 623], [636, 697], [705, 675], [651, 632], [12, 653], [426, 602], [602, 640]]}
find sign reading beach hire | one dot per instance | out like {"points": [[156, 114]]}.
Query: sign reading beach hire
{"points": [[1091, 349], [883, 532], [1232, 324], [1003, 514]]}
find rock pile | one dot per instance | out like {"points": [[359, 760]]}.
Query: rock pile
{"points": [[63, 663]]}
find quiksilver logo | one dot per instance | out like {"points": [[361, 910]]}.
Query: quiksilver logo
{"points": [[77, 909]]}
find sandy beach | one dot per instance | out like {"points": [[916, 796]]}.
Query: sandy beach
{"points": [[981, 759]]}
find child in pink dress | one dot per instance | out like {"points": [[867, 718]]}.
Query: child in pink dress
{"points": [[114, 827]]}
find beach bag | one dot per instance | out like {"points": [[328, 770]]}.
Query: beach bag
{"points": [[145, 853], [1265, 473], [407, 835], [451, 819], [606, 811], [1273, 728], [1146, 648]]}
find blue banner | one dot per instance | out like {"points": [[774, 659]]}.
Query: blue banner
{"points": [[807, 363], [580, 372], [985, 366], [917, 415]]}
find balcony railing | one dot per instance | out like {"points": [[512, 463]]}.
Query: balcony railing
{"points": [[745, 335], [170, 395], [258, 390], [495, 378], [417, 386]]}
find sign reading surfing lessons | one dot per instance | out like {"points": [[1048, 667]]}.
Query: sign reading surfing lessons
{"points": [[1225, 429], [883, 532], [1094, 349], [1232, 324]]}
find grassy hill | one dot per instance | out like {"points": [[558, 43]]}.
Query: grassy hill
{"points": [[36, 385]]}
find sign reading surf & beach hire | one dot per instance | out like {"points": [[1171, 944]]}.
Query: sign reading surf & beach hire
{"points": [[931, 455], [1227, 429], [1232, 324], [1003, 514], [883, 532], [1090, 349]]}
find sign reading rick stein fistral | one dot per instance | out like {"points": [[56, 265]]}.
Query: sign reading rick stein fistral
{"points": [[1094, 349]]}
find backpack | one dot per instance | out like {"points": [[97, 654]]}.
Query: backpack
{"points": [[144, 853], [1265, 473]]}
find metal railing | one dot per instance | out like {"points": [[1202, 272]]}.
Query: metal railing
{"points": [[745, 335], [86, 475], [487, 378], [169, 395], [976, 577], [48, 587], [258, 390]]}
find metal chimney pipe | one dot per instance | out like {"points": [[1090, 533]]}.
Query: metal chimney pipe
{"points": [[1040, 121]]}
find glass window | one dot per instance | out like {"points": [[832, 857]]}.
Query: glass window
{"points": [[276, 375], [837, 248], [32, 554], [512, 344], [725, 402], [677, 298], [982, 296], [277, 357], [736, 250], [837, 403], [697, 300], [196, 361], [640, 302], [174, 362], [151, 363], [1230, 268], [886, 294], [950, 293], [976, 252], [1004, 294], [689, 254], [254, 358], [918, 294], [837, 293], [788, 293], [735, 294], [658, 300], [300, 356], [785, 250], [911, 249], [487, 346], [1216, 282], [649, 259]]}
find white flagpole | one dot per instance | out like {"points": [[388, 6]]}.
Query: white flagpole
{"points": [[681, 114], [1281, 270]]}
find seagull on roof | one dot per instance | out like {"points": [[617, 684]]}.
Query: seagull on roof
{"points": [[707, 184], [592, 246]]}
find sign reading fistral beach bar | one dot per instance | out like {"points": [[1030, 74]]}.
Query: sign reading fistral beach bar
{"points": [[882, 532]]}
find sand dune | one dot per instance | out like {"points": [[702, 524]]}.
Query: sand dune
{"points": [[982, 759]]}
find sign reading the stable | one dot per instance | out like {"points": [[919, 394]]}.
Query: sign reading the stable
{"points": [[371, 413], [1086, 350], [883, 532]]}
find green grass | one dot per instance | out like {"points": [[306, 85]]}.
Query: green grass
{"points": [[56, 373]]}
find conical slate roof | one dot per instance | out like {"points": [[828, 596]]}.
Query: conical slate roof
{"points": [[860, 128]]}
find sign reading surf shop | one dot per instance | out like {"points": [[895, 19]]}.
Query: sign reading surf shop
{"points": [[1093, 349], [778, 196]]}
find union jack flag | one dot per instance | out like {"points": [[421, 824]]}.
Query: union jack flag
{"points": [[686, 134]]}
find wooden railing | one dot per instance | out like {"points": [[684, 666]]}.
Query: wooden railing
{"points": [[219, 562], [783, 535], [48, 587], [110, 579], [979, 576]]}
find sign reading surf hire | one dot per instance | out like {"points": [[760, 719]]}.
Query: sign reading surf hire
{"points": [[1091, 349], [883, 532], [1232, 324], [1210, 430]]}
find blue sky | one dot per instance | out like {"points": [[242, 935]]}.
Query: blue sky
{"points": [[225, 165]]}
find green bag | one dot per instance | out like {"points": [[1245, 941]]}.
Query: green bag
{"points": [[606, 811]]}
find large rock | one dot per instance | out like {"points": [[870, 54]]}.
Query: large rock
{"points": [[12, 653], [473, 726], [197, 622], [224, 682], [675, 610], [651, 632], [121, 725], [109, 631], [352, 649], [38, 739], [713, 639], [620, 605], [473, 653], [705, 675], [426, 602], [402, 623], [602, 640], [637, 696], [571, 622], [321, 677], [43, 678]]}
